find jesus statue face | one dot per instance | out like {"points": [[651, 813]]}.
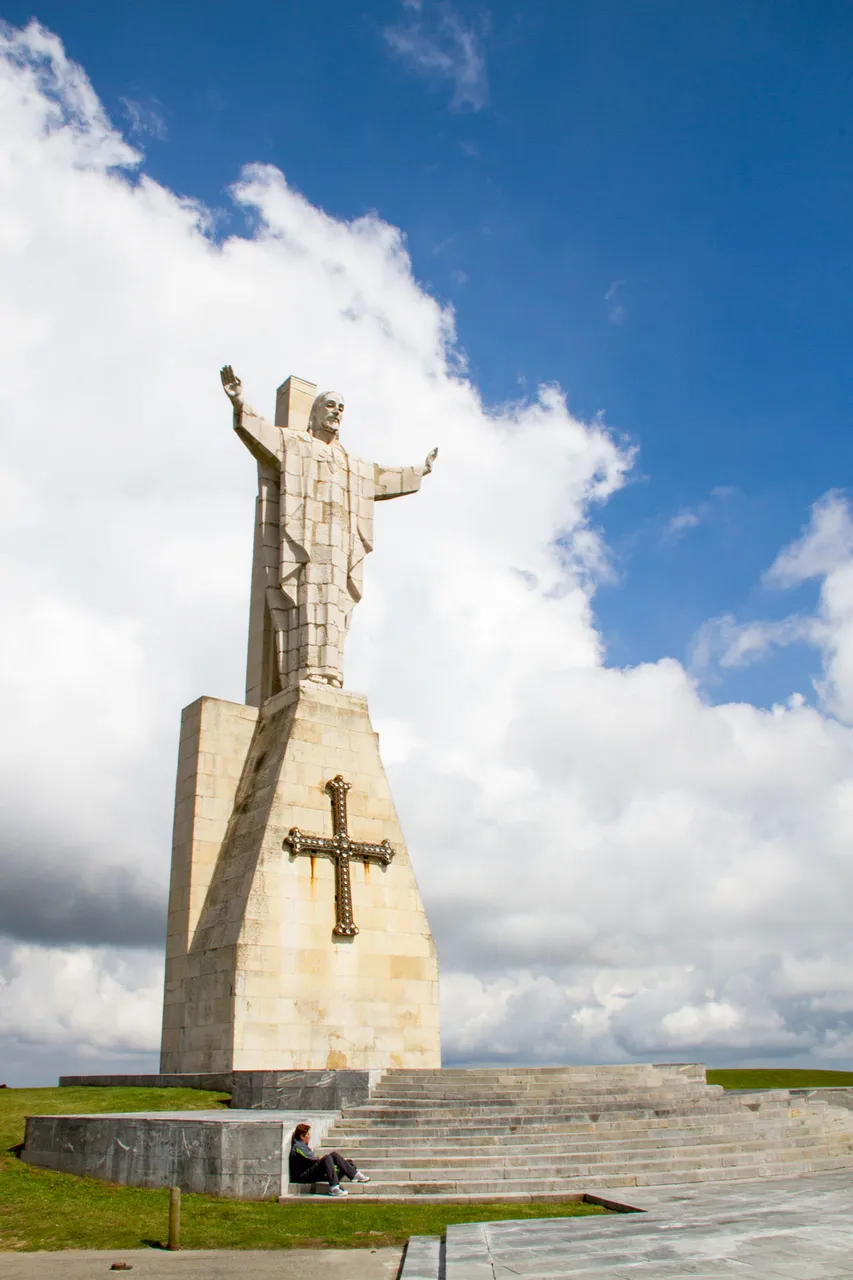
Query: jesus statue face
{"points": [[326, 414]]}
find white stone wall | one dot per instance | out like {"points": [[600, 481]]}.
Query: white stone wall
{"points": [[255, 979]]}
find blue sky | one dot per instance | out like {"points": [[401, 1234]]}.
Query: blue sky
{"points": [[649, 204]]}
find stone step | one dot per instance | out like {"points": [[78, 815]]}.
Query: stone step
{"points": [[457, 1139], [564, 1121], [490, 1123], [580, 1137], [664, 1175], [568, 1137], [535, 1088], [557, 1098], [532, 1086], [632, 1071], [528, 1098], [605, 1126], [653, 1128], [618, 1117], [636, 1100], [522, 1155], [592, 1155], [518, 1180], [510, 1115]]}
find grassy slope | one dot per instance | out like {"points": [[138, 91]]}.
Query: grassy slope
{"points": [[781, 1078], [40, 1209]]}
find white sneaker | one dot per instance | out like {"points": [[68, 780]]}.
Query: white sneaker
{"points": [[338, 1191], [360, 1177]]}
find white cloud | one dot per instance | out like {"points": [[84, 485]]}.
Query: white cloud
{"points": [[682, 521], [617, 311], [733, 644], [610, 863], [104, 1002], [823, 551], [438, 44], [145, 121], [701, 513], [826, 544]]}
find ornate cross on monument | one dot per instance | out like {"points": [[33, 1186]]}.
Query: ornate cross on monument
{"points": [[341, 849]]}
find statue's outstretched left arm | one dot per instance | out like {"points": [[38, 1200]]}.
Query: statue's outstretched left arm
{"points": [[393, 482]]}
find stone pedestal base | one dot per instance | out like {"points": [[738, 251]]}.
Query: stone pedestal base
{"points": [[255, 978]]}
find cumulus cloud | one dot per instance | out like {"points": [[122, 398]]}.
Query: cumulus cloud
{"points": [[614, 867], [825, 545], [730, 643], [97, 1003], [435, 42], [823, 551]]}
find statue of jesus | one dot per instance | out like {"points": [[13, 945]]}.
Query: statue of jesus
{"points": [[325, 530]]}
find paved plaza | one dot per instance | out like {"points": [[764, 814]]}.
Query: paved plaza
{"points": [[799, 1228]]}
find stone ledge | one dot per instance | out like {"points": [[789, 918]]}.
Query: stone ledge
{"points": [[221, 1080], [255, 1090], [508, 1197]]}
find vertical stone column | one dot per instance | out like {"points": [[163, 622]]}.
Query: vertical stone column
{"points": [[293, 402], [215, 739]]}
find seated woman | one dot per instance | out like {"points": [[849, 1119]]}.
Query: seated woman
{"points": [[307, 1166]]}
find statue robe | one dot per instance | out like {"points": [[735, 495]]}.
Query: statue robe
{"points": [[315, 539]]}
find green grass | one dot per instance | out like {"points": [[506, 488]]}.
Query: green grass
{"points": [[40, 1209], [782, 1078]]}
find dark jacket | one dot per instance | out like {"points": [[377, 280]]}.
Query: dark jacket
{"points": [[301, 1159]]}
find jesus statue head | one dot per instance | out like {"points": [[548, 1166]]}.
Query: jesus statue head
{"points": [[326, 413]]}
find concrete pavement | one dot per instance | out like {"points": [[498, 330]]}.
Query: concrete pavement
{"points": [[766, 1230], [205, 1264]]}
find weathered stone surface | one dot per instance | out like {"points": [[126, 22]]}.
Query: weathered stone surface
{"points": [[423, 1259], [297, 939], [302, 1090], [256, 980], [539, 1133], [313, 530], [523, 1134], [217, 1080], [842, 1097], [236, 1155], [799, 1228]]}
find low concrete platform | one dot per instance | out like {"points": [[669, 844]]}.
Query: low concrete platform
{"points": [[800, 1227], [240, 1155]]}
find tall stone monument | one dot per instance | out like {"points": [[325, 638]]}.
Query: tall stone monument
{"points": [[297, 938]]}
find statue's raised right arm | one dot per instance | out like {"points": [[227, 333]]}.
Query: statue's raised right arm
{"points": [[260, 437]]}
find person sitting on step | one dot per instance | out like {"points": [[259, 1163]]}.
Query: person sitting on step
{"points": [[307, 1166]]}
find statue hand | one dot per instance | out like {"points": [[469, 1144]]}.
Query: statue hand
{"points": [[231, 385], [430, 459]]}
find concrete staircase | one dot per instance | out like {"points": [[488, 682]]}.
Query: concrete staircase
{"points": [[543, 1133]]}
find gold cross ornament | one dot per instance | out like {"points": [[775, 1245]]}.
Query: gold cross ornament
{"points": [[341, 849]]}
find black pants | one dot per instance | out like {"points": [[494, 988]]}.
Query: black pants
{"points": [[323, 1170]]}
